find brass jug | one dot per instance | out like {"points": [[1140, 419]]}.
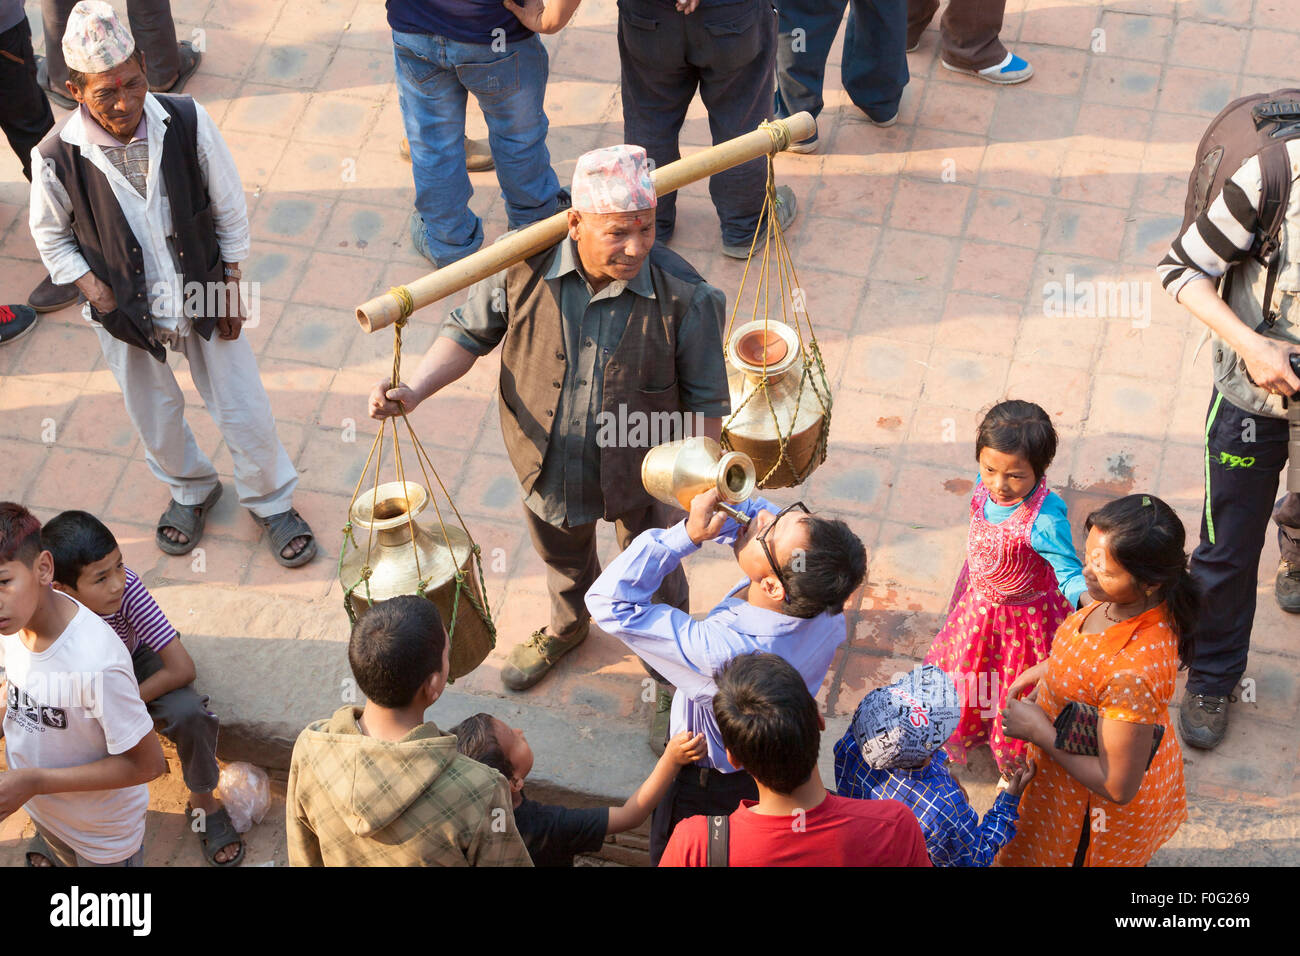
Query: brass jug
{"points": [[391, 557], [677, 471], [763, 414]]}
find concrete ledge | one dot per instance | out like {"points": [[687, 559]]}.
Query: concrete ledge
{"points": [[264, 706]]}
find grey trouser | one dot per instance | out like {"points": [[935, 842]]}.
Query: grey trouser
{"points": [[182, 716], [151, 27], [226, 376], [64, 855], [572, 565]]}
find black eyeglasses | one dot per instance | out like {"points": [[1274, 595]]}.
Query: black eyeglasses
{"points": [[762, 542]]}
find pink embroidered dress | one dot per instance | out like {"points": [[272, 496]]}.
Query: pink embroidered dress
{"points": [[1004, 611]]}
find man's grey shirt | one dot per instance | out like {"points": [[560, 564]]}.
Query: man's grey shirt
{"points": [[568, 489]]}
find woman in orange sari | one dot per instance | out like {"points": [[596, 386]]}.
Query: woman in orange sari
{"points": [[1121, 654]]}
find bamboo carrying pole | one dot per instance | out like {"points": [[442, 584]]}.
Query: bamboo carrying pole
{"points": [[383, 310]]}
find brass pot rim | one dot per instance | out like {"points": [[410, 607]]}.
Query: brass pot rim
{"points": [[406, 492], [773, 369]]}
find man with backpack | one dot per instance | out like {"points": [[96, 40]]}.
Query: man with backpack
{"points": [[1242, 229]]}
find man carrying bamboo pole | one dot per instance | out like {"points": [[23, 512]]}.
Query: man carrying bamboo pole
{"points": [[605, 336]]}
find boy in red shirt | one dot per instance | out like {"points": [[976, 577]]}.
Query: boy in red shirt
{"points": [[771, 728]]}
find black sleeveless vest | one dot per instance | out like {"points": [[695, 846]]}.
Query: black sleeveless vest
{"points": [[111, 248]]}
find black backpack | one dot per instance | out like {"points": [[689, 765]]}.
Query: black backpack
{"points": [[1260, 124]]}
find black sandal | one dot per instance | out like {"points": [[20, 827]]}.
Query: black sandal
{"points": [[39, 847], [189, 520], [283, 528], [218, 833], [189, 62]]}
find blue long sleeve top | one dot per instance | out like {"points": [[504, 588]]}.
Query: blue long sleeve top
{"points": [[1050, 536], [689, 652], [954, 833]]}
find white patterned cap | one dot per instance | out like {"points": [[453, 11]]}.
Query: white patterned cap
{"points": [[95, 40], [613, 179], [899, 726]]}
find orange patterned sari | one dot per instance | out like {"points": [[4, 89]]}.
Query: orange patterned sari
{"points": [[1128, 671]]}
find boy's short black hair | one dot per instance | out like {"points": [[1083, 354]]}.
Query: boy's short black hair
{"points": [[768, 720], [822, 577], [76, 539], [476, 740], [395, 646], [20, 534]]}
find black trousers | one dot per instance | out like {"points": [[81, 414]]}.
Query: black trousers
{"points": [[1245, 454], [728, 51], [25, 114], [697, 792]]}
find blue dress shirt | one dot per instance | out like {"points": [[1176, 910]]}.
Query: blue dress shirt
{"points": [[954, 835], [688, 652]]}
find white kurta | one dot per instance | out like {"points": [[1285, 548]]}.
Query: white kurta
{"points": [[224, 372]]}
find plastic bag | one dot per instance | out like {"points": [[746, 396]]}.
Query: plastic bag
{"points": [[246, 792]]}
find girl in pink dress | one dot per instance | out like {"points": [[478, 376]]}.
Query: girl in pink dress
{"points": [[1021, 579]]}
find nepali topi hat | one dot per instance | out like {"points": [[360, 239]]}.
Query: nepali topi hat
{"points": [[95, 40], [613, 179]]}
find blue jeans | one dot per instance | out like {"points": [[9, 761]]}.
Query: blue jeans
{"points": [[873, 66], [434, 74]]}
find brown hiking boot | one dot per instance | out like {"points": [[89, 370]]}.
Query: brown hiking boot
{"points": [[478, 158], [1287, 586], [529, 662], [1203, 719]]}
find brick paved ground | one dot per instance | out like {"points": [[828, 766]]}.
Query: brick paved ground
{"points": [[924, 250]]}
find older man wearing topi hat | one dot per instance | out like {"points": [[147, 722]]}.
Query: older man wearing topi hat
{"points": [[604, 327], [136, 198]]}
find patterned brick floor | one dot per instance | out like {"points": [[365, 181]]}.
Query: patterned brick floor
{"points": [[927, 252]]}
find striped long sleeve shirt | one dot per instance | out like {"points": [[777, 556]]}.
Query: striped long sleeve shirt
{"points": [[1221, 236], [140, 620]]}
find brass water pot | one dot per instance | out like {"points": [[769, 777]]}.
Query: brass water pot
{"points": [[677, 471], [761, 416], [383, 510]]}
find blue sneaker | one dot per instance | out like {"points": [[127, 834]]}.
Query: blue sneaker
{"points": [[1011, 70], [15, 322]]}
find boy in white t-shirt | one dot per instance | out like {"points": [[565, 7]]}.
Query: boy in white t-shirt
{"points": [[79, 740]]}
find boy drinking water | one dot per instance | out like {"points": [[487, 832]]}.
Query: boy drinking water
{"points": [[79, 740], [88, 566]]}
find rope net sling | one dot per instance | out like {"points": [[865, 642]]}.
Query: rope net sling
{"points": [[463, 583], [774, 257]]}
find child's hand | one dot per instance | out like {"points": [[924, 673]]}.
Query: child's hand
{"points": [[1018, 776], [685, 749]]}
